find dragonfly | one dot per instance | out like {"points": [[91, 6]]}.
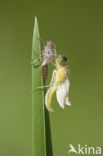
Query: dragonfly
{"points": [[59, 84]]}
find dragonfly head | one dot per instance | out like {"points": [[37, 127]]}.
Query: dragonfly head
{"points": [[61, 60]]}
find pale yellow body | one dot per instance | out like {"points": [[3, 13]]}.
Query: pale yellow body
{"points": [[60, 76]]}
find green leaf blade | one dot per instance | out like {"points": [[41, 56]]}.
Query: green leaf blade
{"points": [[38, 115]]}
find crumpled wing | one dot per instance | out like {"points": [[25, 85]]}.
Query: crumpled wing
{"points": [[49, 97], [62, 93], [50, 93], [67, 84]]}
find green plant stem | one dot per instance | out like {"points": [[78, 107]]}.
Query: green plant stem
{"points": [[47, 127]]}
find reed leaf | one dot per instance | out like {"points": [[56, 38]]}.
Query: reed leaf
{"points": [[38, 116], [42, 145]]}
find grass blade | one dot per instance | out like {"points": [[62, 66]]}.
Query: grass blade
{"points": [[42, 145], [38, 116]]}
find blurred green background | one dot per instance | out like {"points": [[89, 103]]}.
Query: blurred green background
{"points": [[76, 27]]}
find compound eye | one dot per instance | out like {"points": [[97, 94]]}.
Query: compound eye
{"points": [[64, 58]]}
